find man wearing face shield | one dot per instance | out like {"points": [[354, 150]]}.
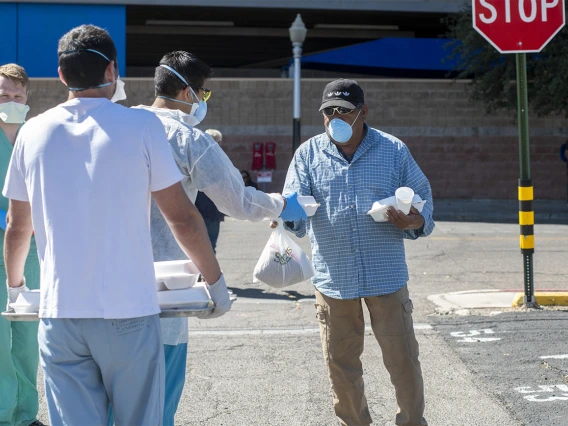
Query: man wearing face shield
{"points": [[181, 95], [347, 169], [84, 171], [18, 341]]}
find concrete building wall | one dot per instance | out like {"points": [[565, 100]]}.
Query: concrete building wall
{"points": [[464, 152]]}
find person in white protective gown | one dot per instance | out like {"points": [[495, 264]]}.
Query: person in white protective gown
{"points": [[180, 104]]}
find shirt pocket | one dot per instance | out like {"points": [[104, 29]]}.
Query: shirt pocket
{"points": [[322, 182], [375, 188], [381, 182]]}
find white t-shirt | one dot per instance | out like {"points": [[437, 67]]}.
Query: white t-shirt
{"points": [[88, 167]]}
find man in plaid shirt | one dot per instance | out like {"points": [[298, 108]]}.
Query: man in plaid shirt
{"points": [[346, 169]]}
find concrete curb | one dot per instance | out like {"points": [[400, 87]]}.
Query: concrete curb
{"points": [[494, 298], [473, 299], [544, 298]]}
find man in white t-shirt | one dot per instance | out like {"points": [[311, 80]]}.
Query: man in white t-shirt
{"points": [[83, 173]]}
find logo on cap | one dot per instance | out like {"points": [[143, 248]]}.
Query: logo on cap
{"points": [[330, 94]]}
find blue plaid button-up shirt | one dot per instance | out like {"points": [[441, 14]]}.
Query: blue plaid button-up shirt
{"points": [[353, 255]]}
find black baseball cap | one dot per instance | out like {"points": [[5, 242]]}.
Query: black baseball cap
{"points": [[342, 93]]}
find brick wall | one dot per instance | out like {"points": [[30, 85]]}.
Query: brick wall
{"points": [[464, 152]]}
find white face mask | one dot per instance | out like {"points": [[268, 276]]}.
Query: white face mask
{"points": [[340, 131], [119, 93], [13, 112], [201, 111], [198, 110], [197, 113]]}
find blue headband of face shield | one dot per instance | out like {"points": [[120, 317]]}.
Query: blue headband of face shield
{"points": [[78, 89]]}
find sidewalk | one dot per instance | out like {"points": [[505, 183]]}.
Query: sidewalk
{"points": [[498, 211]]}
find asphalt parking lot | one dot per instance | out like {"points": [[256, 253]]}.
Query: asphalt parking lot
{"points": [[262, 364]]}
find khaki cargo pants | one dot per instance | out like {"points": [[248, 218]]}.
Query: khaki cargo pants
{"points": [[342, 331]]}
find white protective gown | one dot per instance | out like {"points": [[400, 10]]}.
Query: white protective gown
{"points": [[206, 168]]}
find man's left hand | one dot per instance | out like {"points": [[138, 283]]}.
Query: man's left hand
{"points": [[14, 292], [412, 220]]}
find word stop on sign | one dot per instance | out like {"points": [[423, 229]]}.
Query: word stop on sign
{"points": [[517, 26], [529, 10]]}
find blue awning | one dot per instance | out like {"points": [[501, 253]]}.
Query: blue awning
{"points": [[396, 57]]}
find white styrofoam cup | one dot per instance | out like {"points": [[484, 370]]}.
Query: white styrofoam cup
{"points": [[404, 197]]}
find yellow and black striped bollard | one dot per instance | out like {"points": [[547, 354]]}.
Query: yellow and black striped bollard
{"points": [[526, 221]]}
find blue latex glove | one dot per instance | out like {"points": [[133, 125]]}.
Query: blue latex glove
{"points": [[3, 215], [293, 212]]}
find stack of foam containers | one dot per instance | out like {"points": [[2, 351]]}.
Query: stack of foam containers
{"points": [[178, 287], [27, 302]]}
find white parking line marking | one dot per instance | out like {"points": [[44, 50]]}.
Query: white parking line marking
{"points": [[420, 326], [470, 337], [536, 394], [277, 331], [554, 357], [479, 339]]}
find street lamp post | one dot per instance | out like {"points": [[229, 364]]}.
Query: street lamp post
{"points": [[297, 36]]}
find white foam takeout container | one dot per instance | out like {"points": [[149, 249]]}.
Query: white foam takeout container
{"points": [[309, 204], [178, 288], [197, 298], [192, 300], [379, 208], [175, 275], [27, 302]]}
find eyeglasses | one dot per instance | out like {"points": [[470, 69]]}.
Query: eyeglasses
{"points": [[206, 92], [329, 111]]}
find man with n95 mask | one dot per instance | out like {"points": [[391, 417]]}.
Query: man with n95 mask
{"points": [[180, 104], [18, 340], [356, 259], [84, 172]]}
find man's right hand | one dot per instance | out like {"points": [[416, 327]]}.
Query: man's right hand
{"points": [[293, 211], [220, 297]]}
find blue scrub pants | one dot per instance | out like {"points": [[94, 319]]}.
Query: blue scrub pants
{"points": [[176, 359], [92, 364], [175, 356]]}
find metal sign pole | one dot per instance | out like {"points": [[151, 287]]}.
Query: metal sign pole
{"points": [[526, 194], [563, 155], [297, 75]]}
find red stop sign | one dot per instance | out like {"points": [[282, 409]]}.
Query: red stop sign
{"points": [[517, 26]]}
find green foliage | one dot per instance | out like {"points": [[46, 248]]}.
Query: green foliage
{"points": [[494, 75]]}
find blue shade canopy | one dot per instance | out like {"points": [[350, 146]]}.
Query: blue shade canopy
{"points": [[396, 57]]}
